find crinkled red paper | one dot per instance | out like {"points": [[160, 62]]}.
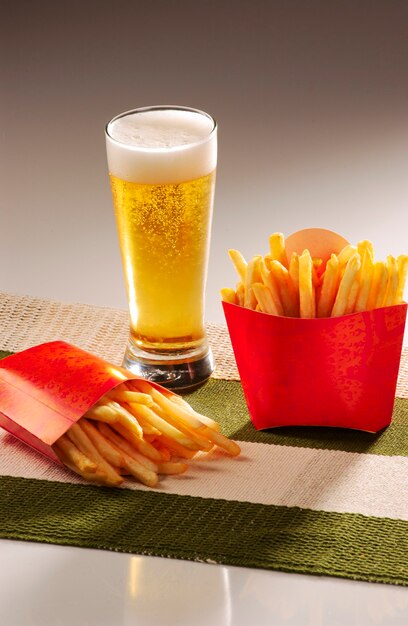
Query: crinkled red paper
{"points": [[45, 389]]}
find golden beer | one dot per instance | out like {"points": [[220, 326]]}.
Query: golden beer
{"points": [[162, 163], [164, 236]]}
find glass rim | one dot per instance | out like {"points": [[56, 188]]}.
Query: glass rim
{"points": [[161, 107]]}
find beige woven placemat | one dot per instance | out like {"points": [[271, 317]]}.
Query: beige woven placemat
{"points": [[26, 321]]}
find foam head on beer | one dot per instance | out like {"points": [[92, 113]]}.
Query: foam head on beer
{"points": [[161, 145]]}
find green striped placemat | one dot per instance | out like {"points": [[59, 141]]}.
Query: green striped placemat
{"points": [[226, 530]]}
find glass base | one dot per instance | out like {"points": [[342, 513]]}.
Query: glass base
{"points": [[177, 371]]}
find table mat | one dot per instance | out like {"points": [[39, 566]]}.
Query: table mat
{"points": [[317, 501]]}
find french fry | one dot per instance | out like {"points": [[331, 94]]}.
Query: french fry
{"points": [[382, 286], [127, 396], [81, 440], [90, 475], [122, 445], [307, 304], [208, 421], [165, 427], [127, 417], [353, 293], [270, 282], [392, 285], [172, 467], [364, 245], [180, 416], [285, 287], [105, 449], [146, 475], [345, 254], [378, 285], [239, 263], [366, 276], [340, 303], [278, 249], [229, 295], [402, 263], [102, 413], [191, 432], [265, 300], [303, 287], [329, 287], [253, 275], [240, 291], [143, 446], [178, 449], [141, 431], [294, 277], [165, 453], [76, 457]]}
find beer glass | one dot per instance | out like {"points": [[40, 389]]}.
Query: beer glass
{"points": [[162, 162]]}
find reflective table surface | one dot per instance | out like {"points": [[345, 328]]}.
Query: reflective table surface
{"points": [[45, 585]]}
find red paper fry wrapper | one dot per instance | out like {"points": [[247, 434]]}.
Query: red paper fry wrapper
{"points": [[339, 371], [46, 389]]}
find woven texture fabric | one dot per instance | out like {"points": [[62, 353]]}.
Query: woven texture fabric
{"points": [[208, 530], [318, 501], [26, 321]]}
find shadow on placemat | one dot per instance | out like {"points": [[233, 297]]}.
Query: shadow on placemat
{"points": [[224, 401]]}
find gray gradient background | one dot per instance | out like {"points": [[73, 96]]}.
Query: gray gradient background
{"points": [[310, 97]]}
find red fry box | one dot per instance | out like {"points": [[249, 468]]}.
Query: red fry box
{"points": [[339, 371], [46, 389]]}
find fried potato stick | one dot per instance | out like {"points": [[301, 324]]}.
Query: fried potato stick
{"points": [[378, 285], [278, 249], [184, 419], [127, 418], [364, 245], [366, 275], [78, 436], [76, 457], [123, 446], [287, 291], [329, 287], [141, 445], [392, 286], [307, 304], [270, 282], [165, 427], [345, 254], [179, 450], [104, 447], [204, 419], [172, 467], [253, 275], [340, 303], [122, 394], [240, 291], [201, 443], [228, 295], [102, 413], [90, 475], [239, 263], [265, 299], [402, 262]]}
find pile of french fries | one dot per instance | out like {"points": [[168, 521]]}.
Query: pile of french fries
{"points": [[137, 430], [302, 286]]}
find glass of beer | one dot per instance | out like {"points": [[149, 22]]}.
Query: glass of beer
{"points": [[162, 162]]}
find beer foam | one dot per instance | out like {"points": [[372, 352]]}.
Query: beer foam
{"points": [[161, 145]]}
